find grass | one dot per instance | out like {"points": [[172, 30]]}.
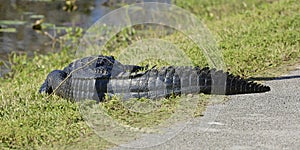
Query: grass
{"points": [[256, 38]]}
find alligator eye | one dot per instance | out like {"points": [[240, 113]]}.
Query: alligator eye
{"points": [[49, 90]]}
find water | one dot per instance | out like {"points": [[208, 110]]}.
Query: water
{"points": [[18, 16], [25, 39]]}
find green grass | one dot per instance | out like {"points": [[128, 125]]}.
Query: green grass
{"points": [[256, 38]]}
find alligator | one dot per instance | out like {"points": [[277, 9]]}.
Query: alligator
{"points": [[96, 77]]}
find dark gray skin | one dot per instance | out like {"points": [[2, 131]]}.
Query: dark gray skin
{"points": [[97, 76]]}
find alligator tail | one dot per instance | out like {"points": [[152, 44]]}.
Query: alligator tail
{"points": [[169, 81], [214, 81], [210, 81]]}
